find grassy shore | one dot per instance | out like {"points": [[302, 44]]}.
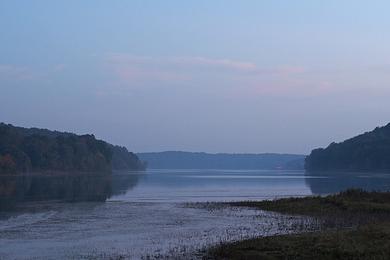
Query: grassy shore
{"points": [[363, 230]]}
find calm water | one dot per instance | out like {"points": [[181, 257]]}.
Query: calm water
{"points": [[146, 213]]}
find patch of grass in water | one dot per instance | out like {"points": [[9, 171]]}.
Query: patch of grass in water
{"points": [[352, 201]]}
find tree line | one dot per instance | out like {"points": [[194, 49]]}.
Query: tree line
{"points": [[34, 150], [366, 152]]}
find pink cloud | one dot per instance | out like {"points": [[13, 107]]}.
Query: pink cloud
{"points": [[60, 67], [286, 70], [222, 75], [224, 63], [133, 73]]}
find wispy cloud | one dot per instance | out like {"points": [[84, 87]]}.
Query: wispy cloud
{"points": [[11, 72], [201, 63], [182, 61], [220, 75], [222, 63], [17, 73]]}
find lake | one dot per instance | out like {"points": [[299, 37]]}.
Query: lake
{"points": [[154, 213]]}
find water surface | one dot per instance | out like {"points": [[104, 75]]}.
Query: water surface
{"points": [[147, 213]]}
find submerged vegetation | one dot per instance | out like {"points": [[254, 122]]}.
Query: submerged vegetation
{"points": [[362, 230]]}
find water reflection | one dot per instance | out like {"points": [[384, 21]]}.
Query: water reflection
{"points": [[15, 189], [332, 182], [121, 182], [215, 185], [181, 186]]}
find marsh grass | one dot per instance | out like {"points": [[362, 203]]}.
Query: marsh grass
{"points": [[354, 224], [352, 201], [268, 223], [368, 242]]}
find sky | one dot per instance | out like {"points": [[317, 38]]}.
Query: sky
{"points": [[245, 76]]}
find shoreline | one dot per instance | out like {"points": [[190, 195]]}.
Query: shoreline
{"points": [[355, 224]]}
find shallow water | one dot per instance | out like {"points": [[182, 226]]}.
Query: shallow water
{"points": [[147, 214]]}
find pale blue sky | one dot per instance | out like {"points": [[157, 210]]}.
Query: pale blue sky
{"points": [[215, 76]]}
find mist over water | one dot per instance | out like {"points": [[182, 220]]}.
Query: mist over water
{"points": [[152, 213]]}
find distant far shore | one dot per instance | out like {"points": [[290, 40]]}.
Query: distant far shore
{"points": [[222, 161]]}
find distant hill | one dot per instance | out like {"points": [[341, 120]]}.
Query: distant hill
{"points": [[35, 150], [367, 152], [189, 160]]}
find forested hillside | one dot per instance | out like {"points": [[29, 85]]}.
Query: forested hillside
{"points": [[34, 150], [367, 152], [189, 160]]}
